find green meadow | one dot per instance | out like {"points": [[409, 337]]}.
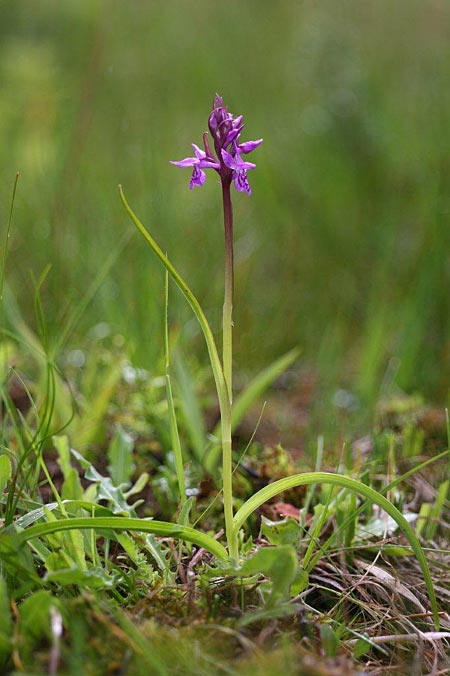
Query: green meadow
{"points": [[342, 263]]}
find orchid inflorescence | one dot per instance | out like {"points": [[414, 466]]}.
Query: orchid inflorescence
{"points": [[225, 130]]}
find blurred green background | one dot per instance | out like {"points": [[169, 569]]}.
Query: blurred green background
{"points": [[343, 248]]}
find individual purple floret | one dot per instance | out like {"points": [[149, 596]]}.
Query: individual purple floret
{"points": [[225, 131], [239, 169], [199, 162]]}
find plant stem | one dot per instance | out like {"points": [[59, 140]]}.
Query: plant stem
{"points": [[227, 320], [227, 347], [227, 478]]}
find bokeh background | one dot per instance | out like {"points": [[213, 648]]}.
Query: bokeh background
{"points": [[343, 248]]}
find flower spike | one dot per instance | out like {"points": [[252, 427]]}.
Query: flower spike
{"points": [[225, 132]]}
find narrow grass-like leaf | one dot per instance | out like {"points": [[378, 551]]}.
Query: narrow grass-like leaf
{"points": [[435, 511], [72, 507], [71, 488], [126, 524], [191, 299], [6, 628], [175, 437], [355, 486], [120, 457], [221, 386], [5, 471], [317, 523], [8, 235]]}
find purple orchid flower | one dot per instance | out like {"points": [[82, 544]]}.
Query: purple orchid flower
{"points": [[199, 162], [225, 131], [239, 170]]}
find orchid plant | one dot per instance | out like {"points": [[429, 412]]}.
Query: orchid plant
{"points": [[228, 163], [226, 159]]}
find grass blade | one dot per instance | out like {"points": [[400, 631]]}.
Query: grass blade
{"points": [[8, 235], [175, 437], [193, 302], [221, 386], [125, 524]]}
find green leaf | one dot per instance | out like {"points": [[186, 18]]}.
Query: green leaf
{"points": [[192, 301], [6, 625], [59, 560], [362, 646], [5, 472], [85, 464], [16, 562], [146, 571], [120, 524], [300, 582], [377, 526], [120, 457], [94, 578], [389, 550], [34, 614], [279, 564], [308, 478], [62, 446], [345, 508], [221, 386], [150, 543], [72, 489], [330, 641], [436, 511], [175, 438], [284, 532], [173, 423], [138, 486], [35, 620], [107, 491], [71, 544], [72, 506], [185, 511]]}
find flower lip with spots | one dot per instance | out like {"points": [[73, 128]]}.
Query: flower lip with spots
{"points": [[225, 131]]}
